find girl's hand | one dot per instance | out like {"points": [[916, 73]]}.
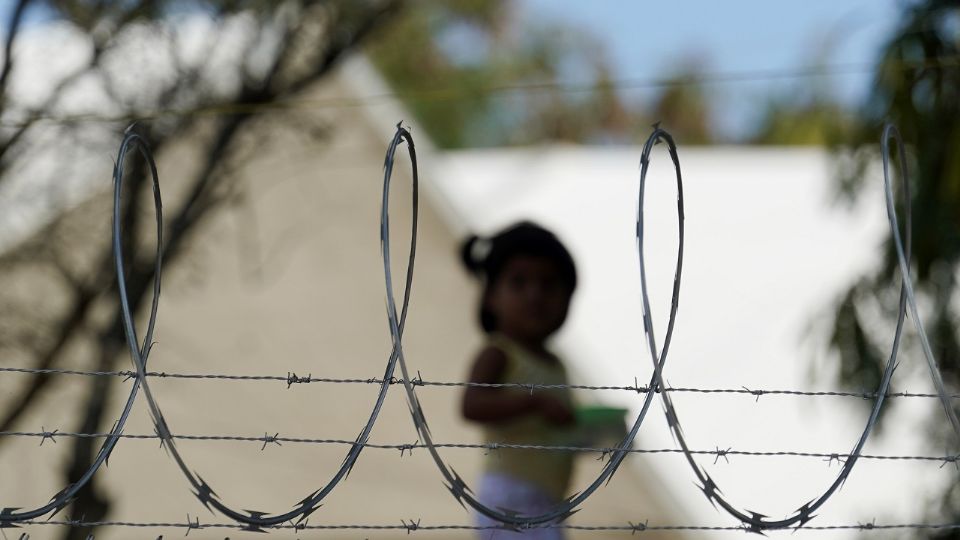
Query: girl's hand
{"points": [[553, 410]]}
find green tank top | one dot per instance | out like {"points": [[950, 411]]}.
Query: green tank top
{"points": [[550, 470]]}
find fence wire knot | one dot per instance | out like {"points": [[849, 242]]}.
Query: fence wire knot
{"points": [[835, 457], [412, 526], [722, 454], [951, 459], [267, 439], [408, 448], [756, 393], [48, 435], [637, 527], [292, 379], [192, 524]]}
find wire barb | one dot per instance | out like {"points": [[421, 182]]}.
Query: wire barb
{"points": [[48, 435], [191, 525], [722, 454], [292, 379], [411, 526], [408, 448], [269, 439], [634, 388]]}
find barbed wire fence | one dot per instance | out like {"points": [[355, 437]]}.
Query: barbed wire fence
{"points": [[297, 518], [754, 520]]}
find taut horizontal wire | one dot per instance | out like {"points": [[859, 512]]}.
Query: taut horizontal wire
{"points": [[416, 525], [451, 95], [292, 378], [489, 447]]}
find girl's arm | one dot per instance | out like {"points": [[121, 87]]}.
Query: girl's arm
{"points": [[495, 405]]}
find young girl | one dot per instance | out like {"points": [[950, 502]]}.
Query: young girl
{"points": [[528, 278]]}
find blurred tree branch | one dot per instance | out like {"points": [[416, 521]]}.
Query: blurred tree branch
{"points": [[13, 29], [310, 38], [458, 56]]}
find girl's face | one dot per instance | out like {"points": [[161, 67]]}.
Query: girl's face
{"points": [[529, 299]]}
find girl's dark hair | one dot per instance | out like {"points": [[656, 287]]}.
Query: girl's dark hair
{"points": [[486, 258]]}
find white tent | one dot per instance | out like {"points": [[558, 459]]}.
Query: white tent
{"points": [[768, 250]]}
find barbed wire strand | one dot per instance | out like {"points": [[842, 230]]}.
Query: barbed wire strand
{"points": [[291, 379], [406, 448], [448, 95], [415, 525]]}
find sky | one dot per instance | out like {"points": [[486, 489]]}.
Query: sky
{"points": [[646, 40], [649, 40]]}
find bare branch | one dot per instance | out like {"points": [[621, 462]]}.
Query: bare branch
{"points": [[12, 31]]}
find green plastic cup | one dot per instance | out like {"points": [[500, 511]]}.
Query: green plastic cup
{"points": [[598, 415]]}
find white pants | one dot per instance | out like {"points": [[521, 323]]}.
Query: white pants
{"points": [[500, 491]]}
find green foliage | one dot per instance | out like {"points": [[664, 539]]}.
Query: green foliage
{"points": [[459, 66], [817, 123], [683, 104], [918, 88]]}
